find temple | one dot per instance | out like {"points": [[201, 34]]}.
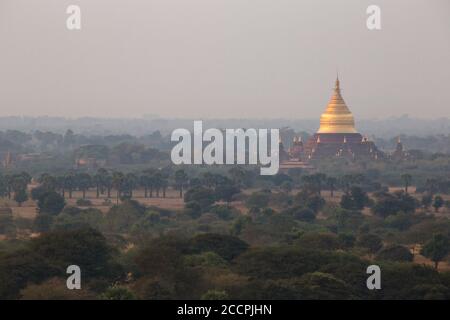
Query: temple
{"points": [[337, 136]]}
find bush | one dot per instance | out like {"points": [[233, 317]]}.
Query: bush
{"points": [[356, 199], [51, 203], [117, 293], [193, 209], [228, 247], [280, 262], [43, 222], [71, 219], [395, 253], [258, 200], [215, 295], [319, 241], [400, 221], [224, 212], [84, 203], [205, 259], [54, 289], [371, 242], [304, 214], [7, 226], [202, 196]]}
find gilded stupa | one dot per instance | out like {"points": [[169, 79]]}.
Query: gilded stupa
{"points": [[337, 118], [337, 135]]}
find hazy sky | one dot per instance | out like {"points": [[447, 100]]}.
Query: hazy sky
{"points": [[223, 58]]}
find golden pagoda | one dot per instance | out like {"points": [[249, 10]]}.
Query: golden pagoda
{"points": [[337, 118], [337, 135]]}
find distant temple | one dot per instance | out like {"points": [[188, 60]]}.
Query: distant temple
{"points": [[336, 137], [399, 153]]}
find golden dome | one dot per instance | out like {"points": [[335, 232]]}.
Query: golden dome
{"points": [[337, 118]]}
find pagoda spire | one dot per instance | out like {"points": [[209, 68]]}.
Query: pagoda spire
{"points": [[337, 118]]}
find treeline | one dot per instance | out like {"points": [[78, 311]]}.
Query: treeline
{"points": [[43, 141]]}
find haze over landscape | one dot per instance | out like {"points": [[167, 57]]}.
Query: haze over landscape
{"points": [[223, 58]]}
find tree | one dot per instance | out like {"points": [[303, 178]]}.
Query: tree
{"points": [[48, 182], [407, 178], [3, 186], [117, 293], [54, 289], [84, 182], [370, 241], [70, 183], [388, 204], [7, 226], [86, 248], [102, 177], [331, 183], [325, 286], [51, 203], [237, 174], [157, 182], [181, 179], [226, 191], [130, 183], [436, 248], [438, 203], [356, 199], [427, 200], [309, 199], [202, 196], [314, 183], [280, 262], [258, 200], [118, 181], [97, 179], [20, 196], [286, 186], [319, 241], [215, 295], [302, 214], [226, 246], [395, 253]]}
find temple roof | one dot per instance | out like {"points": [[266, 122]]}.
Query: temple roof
{"points": [[337, 118]]}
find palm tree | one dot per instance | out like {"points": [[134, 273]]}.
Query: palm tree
{"points": [[314, 182], [331, 182], [108, 183], [84, 182], [60, 184], [131, 181], [3, 186], [181, 179], [157, 182], [208, 178], [117, 182], [144, 181], [164, 185], [103, 176], [319, 179], [98, 182], [69, 183], [407, 178], [48, 182], [237, 175], [8, 182]]}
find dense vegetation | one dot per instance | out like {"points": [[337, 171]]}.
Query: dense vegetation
{"points": [[239, 236]]}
